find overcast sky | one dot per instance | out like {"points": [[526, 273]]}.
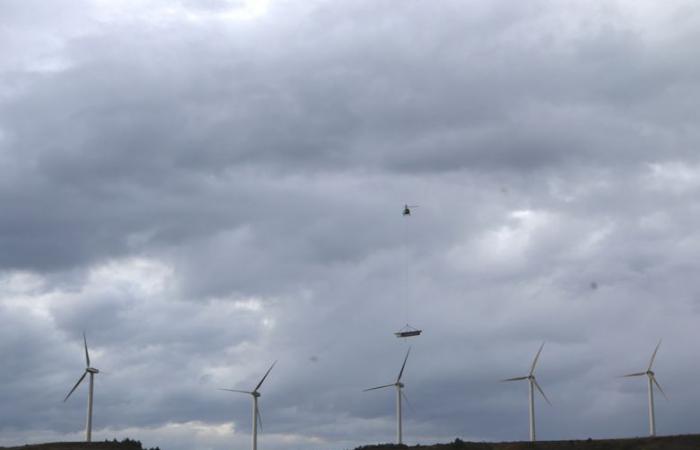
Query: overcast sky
{"points": [[205, 187]]}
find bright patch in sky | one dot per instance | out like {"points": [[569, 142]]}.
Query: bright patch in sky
{"points": [[138, 275], [675, 176], [513, 238]]}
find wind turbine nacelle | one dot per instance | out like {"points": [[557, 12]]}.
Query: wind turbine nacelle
{"points": [[255, 394], [400, 384], [92, 370]]}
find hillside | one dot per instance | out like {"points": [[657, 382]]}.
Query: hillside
{"points": [[126, 444], [684, 442]]}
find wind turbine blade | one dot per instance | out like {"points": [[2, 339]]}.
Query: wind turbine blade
{"points": [[87, 355], [263, 378], [541, 391], [76, 385], [378, 387], [515, 379], [235, 390], [403, 365], [403, 394], [638, 374], [534, 361], [659, 386], [257, 412], [653, 356]]}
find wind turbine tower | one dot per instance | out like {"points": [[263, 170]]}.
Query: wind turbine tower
{"points": [[532, 382], [399, 394], [651, 381], [92, 371], [257, 419]]}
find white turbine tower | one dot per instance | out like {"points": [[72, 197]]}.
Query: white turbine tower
{"points": [[651, 381], [399, 393], [532, 381], [256, 411], [92, 371]]}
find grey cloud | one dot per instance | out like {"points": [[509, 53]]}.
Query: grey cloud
{"points": [[206, 196]]}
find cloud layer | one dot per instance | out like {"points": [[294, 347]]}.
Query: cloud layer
{"points": [[207, 187]]}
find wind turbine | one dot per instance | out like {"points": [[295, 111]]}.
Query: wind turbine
{"points": [[92, 371], [256, 410], [651, 379], [532, 381], [399, 393]]}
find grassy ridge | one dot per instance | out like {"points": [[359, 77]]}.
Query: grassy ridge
{"points": [[77, 446], [127, 444], [684, 442]]}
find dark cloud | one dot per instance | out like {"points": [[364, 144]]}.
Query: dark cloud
{"points": [[207, 187]]}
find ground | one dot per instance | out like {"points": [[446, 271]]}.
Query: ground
{"points": [[685, 442]]}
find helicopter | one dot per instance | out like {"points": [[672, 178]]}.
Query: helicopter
{"points": [[407, 209], [408, 330]]}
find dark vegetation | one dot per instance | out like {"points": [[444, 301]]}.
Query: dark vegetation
{"points": [[126, 444], [684, 442]]}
